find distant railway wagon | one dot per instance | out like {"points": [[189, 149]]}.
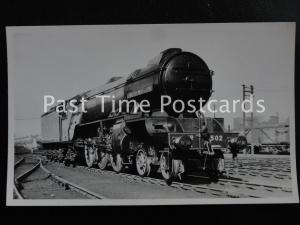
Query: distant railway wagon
{"points": [[169, 142], [282, 148]]}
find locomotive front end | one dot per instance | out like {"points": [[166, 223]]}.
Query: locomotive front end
{"points": [[185, 76], [189, 151]]}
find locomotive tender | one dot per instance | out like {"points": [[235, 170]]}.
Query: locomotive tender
{"points": [[165, 142]]}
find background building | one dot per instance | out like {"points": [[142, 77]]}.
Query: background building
{"points": [[272, 129]]}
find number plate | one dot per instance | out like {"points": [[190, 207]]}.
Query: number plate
{"points": [[220, 140]]}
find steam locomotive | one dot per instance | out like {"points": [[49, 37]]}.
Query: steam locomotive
{"points": [[166, 142]]}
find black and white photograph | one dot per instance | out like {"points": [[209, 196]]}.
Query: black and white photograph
{"points": [[153, 114]]}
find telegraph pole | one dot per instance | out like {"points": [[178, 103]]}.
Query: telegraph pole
{"points": [[244, 114], [214, 110], [252, 122], [248, 91]]}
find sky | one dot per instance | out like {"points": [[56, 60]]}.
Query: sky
{"points": [[66, 60]]}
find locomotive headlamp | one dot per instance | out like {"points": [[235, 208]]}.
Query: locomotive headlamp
{"points": [[183, 142]]}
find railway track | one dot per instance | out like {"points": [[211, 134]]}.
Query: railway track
{"points": [[257, 190], [225, 187], [254, 173], [64, 184], [69, 185], [260, 169], [222, 188], [16, 191]]}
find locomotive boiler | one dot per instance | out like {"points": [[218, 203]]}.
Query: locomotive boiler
{"points": [[168, 141]]}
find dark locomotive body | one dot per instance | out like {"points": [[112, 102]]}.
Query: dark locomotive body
{"points": [[167, 141]]}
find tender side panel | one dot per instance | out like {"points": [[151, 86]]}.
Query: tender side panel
{"points": [[50, 127]]}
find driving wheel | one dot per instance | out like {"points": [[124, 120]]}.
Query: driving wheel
{"points": [[90, 155], [142, 163], [103, 159], [117, 162], [169, 167]]}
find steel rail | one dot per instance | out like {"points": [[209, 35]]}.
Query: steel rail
{"points": [[17, 180], [18, 163], [15, 189]]}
